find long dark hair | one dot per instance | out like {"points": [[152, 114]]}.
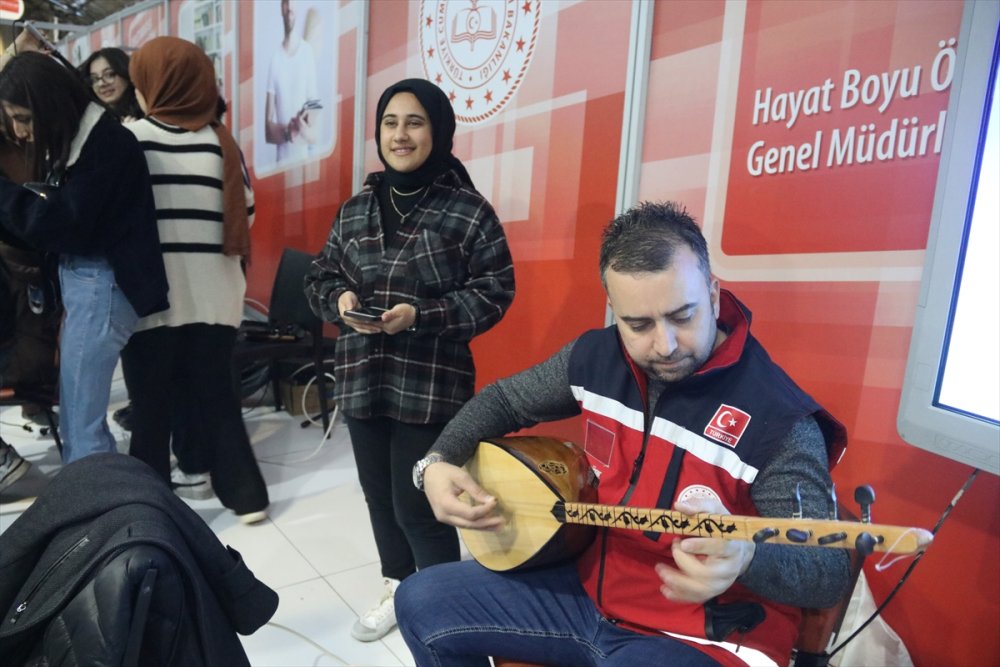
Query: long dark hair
{"points": [[56, 98], [118, 60]]}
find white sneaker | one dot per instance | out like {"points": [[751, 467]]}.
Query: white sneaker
{"points": [[197, 486], [378, 621]]}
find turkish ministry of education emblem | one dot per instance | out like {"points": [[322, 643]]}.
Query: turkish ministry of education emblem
{"points": [[727, 425], [696, 492], [478, 51]]}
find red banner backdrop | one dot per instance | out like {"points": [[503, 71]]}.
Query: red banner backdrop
{"points": [[11, 10], [143, 26], [805, 136], [539, 90]]}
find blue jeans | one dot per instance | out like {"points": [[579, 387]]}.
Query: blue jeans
{"points": [[99, 321], [456, 614]]}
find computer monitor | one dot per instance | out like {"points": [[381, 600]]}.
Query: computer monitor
{"points": [[950, 402]]}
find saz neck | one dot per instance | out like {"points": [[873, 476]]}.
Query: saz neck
{"points": [[865, 537]]}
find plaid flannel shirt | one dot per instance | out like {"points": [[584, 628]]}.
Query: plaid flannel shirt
{"points": [[450, 259]]}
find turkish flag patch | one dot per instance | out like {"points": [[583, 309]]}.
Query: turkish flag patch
{"points": [[728, 425]]}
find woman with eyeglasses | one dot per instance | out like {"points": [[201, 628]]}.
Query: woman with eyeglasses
{"points": [[91, 202], [106, 71]]}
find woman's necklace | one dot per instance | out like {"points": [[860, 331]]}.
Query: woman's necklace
{"points": [[392, 189]]}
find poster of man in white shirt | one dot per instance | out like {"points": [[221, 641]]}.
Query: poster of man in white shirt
{"points": [[294, 85]]}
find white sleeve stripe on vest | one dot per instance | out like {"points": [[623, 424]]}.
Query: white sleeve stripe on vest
{"points": [[608, 407], [696, 445], [704, 449]]}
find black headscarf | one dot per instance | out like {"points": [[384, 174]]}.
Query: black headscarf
{"points": [[442, 119]]}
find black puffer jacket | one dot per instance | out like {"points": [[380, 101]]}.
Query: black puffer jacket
{"points": [[75, 576]]}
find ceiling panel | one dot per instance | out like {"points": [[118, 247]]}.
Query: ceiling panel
{"points": [[80, 12]]}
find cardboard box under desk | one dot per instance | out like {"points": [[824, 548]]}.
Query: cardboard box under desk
{"points": [[291, 397]]}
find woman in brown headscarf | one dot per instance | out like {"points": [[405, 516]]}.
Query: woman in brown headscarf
{"points": [[204, 207]]}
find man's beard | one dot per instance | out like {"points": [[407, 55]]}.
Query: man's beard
{"points": [[683, 368], [677, 369]]}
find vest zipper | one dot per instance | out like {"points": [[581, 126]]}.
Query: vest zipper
{"points": [[600, 573], [23, 607], [632, 481]]}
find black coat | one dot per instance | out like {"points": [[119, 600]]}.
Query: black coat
{"points": [[7, 317], [72, 565], [104, 208]]}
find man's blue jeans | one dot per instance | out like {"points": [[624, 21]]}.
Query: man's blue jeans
{"points": [[456, 614], [99, 321]]}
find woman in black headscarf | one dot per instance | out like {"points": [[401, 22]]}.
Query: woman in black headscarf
{"points": [[422, 244]]}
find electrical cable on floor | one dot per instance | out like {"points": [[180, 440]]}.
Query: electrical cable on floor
{"points": [[319, 446], [306, 639], [309, 419], [305, 395], [28, 426], [260, 307], [909, 570], [326, 433]]}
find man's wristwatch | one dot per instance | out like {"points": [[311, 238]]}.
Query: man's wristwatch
{"points": [[420, 466]]}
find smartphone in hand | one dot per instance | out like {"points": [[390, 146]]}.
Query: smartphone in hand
{"points": [[365, 314]]}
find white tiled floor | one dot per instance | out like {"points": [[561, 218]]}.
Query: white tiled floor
{"points": [[316, 549]]}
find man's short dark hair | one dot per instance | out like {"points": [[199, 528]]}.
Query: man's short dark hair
{"points": [[644, 239]]}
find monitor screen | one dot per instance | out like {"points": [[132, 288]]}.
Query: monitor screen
{"points": [[951, 393]]}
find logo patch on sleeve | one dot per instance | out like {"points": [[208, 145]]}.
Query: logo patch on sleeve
{"points": [[728, 425]]}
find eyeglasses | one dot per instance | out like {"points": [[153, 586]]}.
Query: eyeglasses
{"points": [[107, 76]]}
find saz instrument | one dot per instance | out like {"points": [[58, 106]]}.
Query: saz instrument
{"points": [[542, 489]]}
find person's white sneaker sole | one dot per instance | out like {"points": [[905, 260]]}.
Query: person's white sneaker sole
{"points": [[381, 618], [363, 633], [252, 517]]}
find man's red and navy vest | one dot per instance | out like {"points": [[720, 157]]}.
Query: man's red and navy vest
{"points": [[711, 433]]}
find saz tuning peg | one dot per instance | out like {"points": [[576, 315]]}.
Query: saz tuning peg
{"points": [[865, 496]]}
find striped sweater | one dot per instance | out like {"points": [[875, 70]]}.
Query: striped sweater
{"points": [[186, 172]]}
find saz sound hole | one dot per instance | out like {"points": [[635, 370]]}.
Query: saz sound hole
{"points": [[553, 467]]}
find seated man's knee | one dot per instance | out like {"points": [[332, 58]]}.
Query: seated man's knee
{"points": [[423, 587], [411, 594]]}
